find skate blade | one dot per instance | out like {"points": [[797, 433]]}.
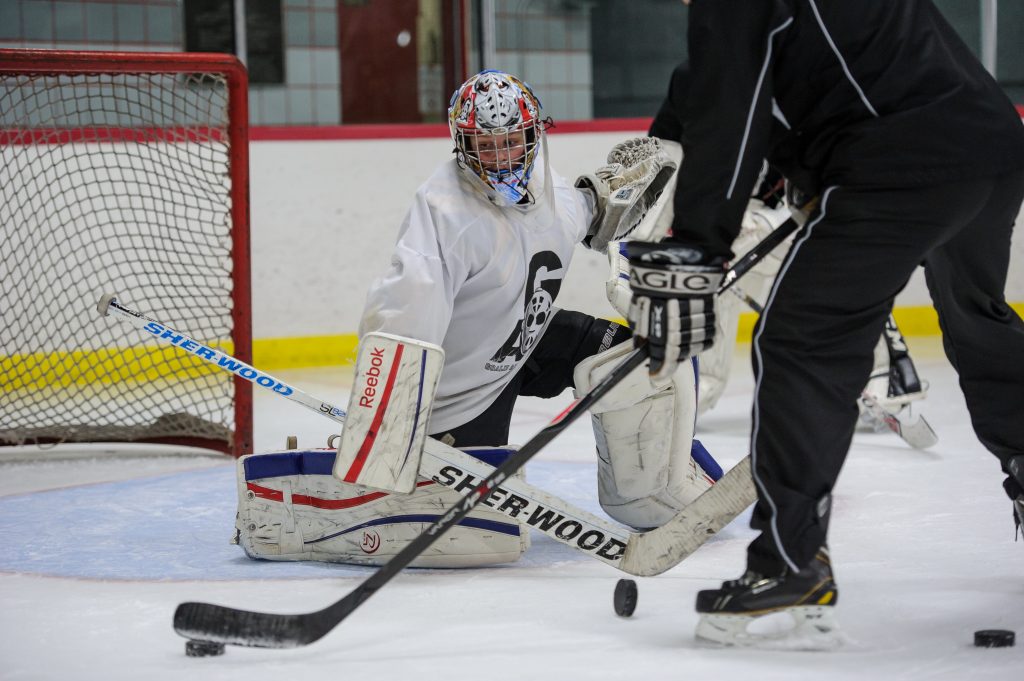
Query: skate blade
{"points": [[797, 628]]}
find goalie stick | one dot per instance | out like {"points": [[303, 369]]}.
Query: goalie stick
{"points": [[598, 538], [601, 539], [581, 530]]}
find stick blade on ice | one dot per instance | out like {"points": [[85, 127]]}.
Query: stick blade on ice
{"points": [[216, 623]]}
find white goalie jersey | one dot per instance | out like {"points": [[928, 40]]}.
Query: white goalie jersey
{"points": [[477, 280]]}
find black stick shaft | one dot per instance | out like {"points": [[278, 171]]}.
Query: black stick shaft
{"points": [[209, 622], [754, 256]]}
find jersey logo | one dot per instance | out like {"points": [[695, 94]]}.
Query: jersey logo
{"points": [[542, 285]]}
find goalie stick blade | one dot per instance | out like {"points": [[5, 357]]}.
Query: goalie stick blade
{"points": [[220, 624], [654, 552], [914, 430]]}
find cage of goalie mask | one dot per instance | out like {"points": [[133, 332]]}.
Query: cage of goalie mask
{"points": [[494, 119]]}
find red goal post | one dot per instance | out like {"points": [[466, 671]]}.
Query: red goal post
{"points": [[123, 173]]}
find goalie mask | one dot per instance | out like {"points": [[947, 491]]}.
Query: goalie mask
{"points": [[494, 119]]}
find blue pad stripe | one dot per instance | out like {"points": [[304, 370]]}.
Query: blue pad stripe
{"points": [[476, 523], [702, 457], [321, 462]]}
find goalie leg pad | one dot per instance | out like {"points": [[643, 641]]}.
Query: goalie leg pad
{"points": [[647, 469], [290, 507]]}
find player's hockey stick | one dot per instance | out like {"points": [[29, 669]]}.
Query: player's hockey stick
{"points": [[913, 428], [214, 623], [903, 381], [755, 255], [675, 540]]}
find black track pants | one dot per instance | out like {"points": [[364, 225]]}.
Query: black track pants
{"points": [[570, 338], [813, 346]]}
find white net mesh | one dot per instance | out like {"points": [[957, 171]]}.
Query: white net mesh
{"points": [[113, 183]]}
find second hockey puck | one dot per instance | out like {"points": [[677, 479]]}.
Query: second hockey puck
{"points": [[994, 638], [203, 648], [625, 597]]}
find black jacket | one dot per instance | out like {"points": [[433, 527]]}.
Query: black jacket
{"points": [[867, 93]]}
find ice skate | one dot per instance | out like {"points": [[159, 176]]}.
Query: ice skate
{"points": [[793, 611]]}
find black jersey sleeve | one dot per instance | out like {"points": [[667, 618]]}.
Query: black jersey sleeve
{"points": [[727, 117]]}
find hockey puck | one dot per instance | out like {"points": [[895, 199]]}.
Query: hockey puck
{"points": [[994, 638], [625, 597], [203, 648]]}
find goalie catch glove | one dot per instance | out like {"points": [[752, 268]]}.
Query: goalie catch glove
{"points": [[674, 296], [637, 174]]}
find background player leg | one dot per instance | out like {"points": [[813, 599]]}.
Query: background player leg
{"points": [[983, 337]]}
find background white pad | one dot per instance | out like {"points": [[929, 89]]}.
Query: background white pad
{"points": [[395, 381], [716, 362]]}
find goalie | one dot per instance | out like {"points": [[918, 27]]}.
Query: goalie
{"points": [[479, 261]]}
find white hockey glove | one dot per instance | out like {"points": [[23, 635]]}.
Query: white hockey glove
{"points": [[673, 307], [626, 189]]}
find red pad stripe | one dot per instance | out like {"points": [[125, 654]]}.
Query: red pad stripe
{"points": [[564, 412], [317, 502], [371, 435]]}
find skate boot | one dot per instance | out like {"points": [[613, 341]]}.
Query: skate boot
{"points": [[792, 611]]}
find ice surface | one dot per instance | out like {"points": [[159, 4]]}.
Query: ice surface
{"points": [[97, 552]]}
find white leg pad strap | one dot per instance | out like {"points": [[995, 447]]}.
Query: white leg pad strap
{"points": [[644, 436], [290, 507]]}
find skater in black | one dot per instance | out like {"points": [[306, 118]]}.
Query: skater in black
{"points": [[917, 157]]}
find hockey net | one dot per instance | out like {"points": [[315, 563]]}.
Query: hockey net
{"points": [[122, 173]]}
